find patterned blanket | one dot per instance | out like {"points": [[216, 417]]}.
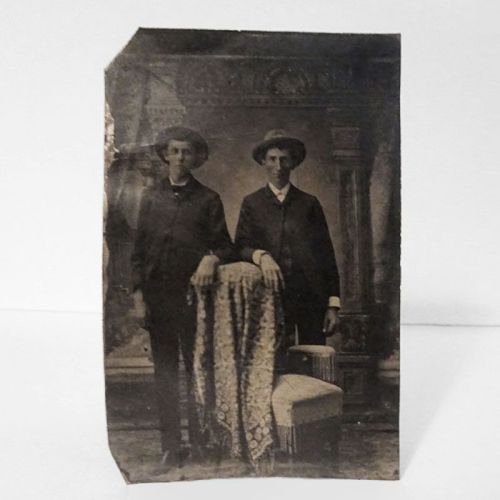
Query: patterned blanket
{"points": [[239, 325]]}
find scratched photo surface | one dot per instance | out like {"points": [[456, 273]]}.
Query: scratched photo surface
{"points": [[251, 278]]}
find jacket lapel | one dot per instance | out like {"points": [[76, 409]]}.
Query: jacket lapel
{"points": [[291, 195], [190, 187], [270, 196]]}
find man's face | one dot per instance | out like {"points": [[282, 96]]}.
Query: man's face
{"points": [[180, 155], [278, 164]]}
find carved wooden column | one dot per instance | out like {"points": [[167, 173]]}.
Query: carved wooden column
{"points": [[382, 87], [354, 362]]}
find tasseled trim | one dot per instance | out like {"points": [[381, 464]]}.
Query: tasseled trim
{"points": [[323, 368], [264, 465]]}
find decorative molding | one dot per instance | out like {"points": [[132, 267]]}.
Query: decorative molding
{"points": [[229, 81], [354, 374], [287, 81], [238, 82], [355, 330]]}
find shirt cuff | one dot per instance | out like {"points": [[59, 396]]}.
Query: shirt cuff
{"points": [[334, 302], [257, 255]]}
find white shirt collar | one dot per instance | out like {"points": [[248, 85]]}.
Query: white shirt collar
{"points": [[172, 183], [283, 191]]}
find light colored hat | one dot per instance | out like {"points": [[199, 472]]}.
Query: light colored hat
{"points": [[278, 138]]}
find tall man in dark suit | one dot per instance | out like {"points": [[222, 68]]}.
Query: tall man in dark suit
{"points": [[181, 231], [283, 230]]}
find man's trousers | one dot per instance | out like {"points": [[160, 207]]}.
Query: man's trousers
{"points": [[304, 316], [171, 323]]}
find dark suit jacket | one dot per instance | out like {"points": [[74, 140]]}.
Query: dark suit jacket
{"points": [[175, 230], [263, 222]]}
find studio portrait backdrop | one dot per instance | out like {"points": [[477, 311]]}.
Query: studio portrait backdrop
{"points": [[338, 94]]}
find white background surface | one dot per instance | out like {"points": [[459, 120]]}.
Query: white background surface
{"points": [[52, 56]]}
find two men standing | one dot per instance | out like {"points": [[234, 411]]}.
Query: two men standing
{"points": [[182, 231]]}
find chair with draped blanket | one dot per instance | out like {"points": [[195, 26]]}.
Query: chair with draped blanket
{"points": [[242, 406]]}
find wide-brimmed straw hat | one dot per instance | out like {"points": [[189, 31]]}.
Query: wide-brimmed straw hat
{"points": [[278, 138], [182, 134]]}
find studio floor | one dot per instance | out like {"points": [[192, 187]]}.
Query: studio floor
{"points": [[368, 447], [364, 454]]}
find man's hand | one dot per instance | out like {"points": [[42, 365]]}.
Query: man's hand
{"points": [[207, 269], [273, 278], [330, 321], [139, 306]]}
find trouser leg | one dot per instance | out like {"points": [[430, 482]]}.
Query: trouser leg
{"points": [[310, 320], [304, 311], [172, 327], [165, 351]]}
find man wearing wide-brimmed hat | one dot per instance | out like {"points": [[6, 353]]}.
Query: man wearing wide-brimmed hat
{"points": [[283, 230], [181, 231]]}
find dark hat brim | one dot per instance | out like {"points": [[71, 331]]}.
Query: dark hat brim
{"points": [[182, 134], [295, 146]]}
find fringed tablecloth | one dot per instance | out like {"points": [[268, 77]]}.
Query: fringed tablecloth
{"points": [[239, 324]]}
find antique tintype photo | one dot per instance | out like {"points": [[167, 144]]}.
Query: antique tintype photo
{"points": [[251, 255]]}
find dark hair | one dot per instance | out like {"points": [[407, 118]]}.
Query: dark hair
{"points": [[279, 139], [287, 148]]}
